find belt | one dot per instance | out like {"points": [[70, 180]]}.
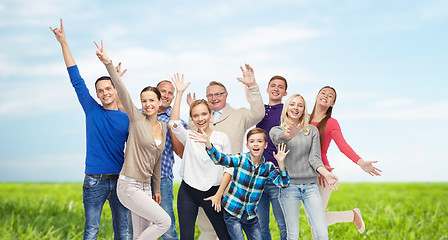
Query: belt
{"points": [[104, 176]]}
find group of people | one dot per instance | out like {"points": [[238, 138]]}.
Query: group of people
{"points": [[130, 156]]}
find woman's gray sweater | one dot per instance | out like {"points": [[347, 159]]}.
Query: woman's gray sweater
{"points": [[304, 157]]}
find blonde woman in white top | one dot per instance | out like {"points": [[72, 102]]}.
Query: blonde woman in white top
{"points": [[201, 178]]}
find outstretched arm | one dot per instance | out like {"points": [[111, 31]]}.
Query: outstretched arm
{"points": [[59, 33]]}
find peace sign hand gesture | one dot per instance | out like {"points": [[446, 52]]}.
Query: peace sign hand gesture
{"points": [[101, 53]]}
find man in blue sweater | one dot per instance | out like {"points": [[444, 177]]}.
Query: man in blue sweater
{"points": [[106, 134]]}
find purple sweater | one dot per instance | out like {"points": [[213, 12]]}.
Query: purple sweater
{"points": [[270, 120]]}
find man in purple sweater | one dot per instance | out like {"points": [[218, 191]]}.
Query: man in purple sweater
{"points": [[106, 134], [276, 90]]}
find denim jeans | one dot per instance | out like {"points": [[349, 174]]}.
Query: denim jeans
{"points": [[95, 193], [271, 194], [309, 194], [236, 225], [166, 190]]}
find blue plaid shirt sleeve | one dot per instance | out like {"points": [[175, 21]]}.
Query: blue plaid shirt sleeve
{"points": [[279, 178], [224, 159]]}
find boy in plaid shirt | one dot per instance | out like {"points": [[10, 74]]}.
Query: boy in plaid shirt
{"points": [[250, 174]]}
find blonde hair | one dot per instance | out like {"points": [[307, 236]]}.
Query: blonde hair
{"points": [[304, 120]]}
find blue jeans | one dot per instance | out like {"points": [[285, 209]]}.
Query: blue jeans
{"points": [[166, 190], [309, 194], [236, 225], [95, 193], [271, 194]]}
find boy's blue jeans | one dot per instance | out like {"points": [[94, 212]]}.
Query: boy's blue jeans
{"points": [[96, 190], [235, 227]]}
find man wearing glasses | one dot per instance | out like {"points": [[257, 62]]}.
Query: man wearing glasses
{"points": [[233, 122]]}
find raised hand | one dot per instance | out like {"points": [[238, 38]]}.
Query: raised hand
{"points": [[281, 154], [179, 83], [118, 69], [248, 78], [191, 99], [216, 202], [101, 53], [368, 167], [59, 33]]}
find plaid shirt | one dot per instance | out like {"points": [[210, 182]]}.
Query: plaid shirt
{"points": [[167, 154], [248, 181]]}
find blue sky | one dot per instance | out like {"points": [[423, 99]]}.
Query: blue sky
{"points": [[386, 59]]}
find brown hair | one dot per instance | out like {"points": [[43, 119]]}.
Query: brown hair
{"points": [[104, 78], [323, 123], [152, 89], [279, 78], [255, 131], [198, 102]]}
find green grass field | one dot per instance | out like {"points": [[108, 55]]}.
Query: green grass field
{"points": [[390, 211]]}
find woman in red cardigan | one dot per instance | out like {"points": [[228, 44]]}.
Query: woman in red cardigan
{"points": [[329, 130]]}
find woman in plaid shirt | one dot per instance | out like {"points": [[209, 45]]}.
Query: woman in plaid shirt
{"points": [[250, 174]]}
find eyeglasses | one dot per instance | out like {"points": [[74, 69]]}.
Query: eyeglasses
{"points": [[216, 95]]}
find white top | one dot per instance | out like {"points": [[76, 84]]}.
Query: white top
{"points": [[197, 169]]}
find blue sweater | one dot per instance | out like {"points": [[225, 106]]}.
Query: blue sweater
{"points": [[106, 130]]}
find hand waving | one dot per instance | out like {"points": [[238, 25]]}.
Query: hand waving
{"points": [[179, 83], [292, 130], [281, 154], [101, 53], [190, 98], [248, 78]]}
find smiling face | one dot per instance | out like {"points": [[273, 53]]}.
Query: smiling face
{"points": [[326, 97], [276, 90], [167, 91], [295, 109], [150, 103], [216, 96], [106, 92], [256, 143], [200, 115]]}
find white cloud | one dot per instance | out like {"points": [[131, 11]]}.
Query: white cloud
{"points": [[262, 37], [399, 110]]}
